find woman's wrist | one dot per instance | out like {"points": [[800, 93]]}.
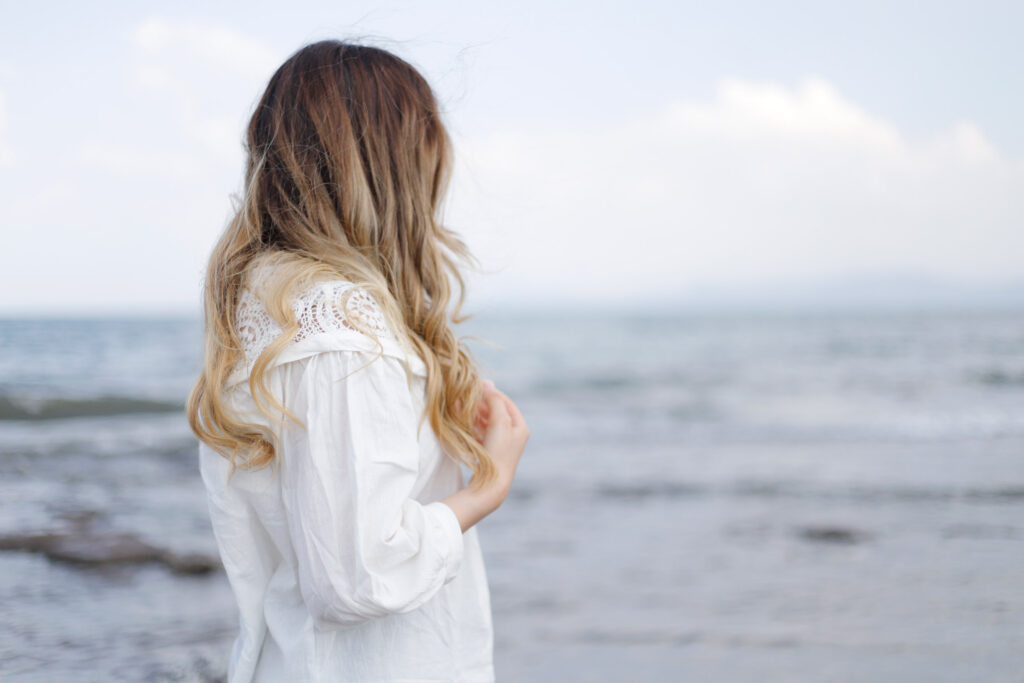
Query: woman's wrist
{"points": [[473, 503], [495, 491]]}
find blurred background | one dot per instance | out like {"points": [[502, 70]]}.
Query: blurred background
{"points": [[754, 272]]}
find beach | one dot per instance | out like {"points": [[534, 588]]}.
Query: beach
{"points": [[706, 497]]}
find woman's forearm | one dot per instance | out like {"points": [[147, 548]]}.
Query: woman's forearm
{"points": [[504, 437], [472, 504]]}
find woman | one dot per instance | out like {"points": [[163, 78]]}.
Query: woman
{"points": [[345, 529]]}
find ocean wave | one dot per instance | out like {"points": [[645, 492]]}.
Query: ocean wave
{"points": [[600, 382], [866, 494], [1000, 378], [19, 408]]}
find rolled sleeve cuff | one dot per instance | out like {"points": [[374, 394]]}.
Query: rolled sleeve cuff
{"points": [[450, 531]]}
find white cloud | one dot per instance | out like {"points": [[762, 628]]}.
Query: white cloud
{"points": [[49, 201], [217, 46], [815, 110], [200, 72], [6, 153], [134, 161], [762, 182]]}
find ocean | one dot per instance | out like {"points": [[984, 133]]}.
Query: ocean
{"points": [[704, 497]]}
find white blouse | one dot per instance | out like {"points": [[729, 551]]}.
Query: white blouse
{"points": [[345, 564]]}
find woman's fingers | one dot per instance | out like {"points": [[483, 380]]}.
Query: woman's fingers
{"points": [[517, 417], [510, 408], [488, 406], [513, 415], [499, 412]]}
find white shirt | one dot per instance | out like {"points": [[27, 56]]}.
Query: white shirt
{"points": [[344, 563]]}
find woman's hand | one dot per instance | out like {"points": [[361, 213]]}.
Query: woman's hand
{"points": [[482, 413], [503, 433]]}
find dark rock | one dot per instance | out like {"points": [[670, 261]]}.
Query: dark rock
{"points": [[190, 563], [104, 549], [832, 534]]}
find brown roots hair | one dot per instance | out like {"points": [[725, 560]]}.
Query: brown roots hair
{"points": [[348, 163]]}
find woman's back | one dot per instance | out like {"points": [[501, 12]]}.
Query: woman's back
{"points": [[348, 536], [345, 564]]}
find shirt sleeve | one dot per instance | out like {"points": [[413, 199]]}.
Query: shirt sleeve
{"points": [[365, 548]]}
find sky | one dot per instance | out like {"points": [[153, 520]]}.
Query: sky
{"points": [[623, 155]]}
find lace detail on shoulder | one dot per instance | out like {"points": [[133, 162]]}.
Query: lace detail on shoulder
{"points": [[319, 311]]}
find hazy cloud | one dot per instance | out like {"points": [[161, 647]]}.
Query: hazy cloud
{"points": [[6, 153], [762, 182], [133, 161], [203, 71], [218, 46]]}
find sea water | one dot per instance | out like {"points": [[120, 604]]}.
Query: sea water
{"points": [[732, 497]]}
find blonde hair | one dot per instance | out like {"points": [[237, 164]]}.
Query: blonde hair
{"points": [[347, 166]]}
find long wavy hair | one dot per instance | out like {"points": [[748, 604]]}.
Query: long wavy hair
{"points": [[348, 164]]}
